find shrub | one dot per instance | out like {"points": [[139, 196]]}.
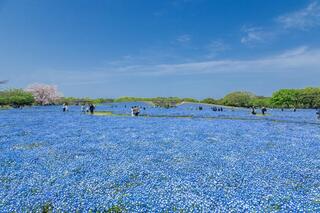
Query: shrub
{"points": [[16, 97]]}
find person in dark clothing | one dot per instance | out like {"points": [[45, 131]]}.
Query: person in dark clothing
{"points": [[135, 110], [318, 113], [91, 108], [263, 110], [294, 109], [65, 107], [200, 107], [253, 110]]}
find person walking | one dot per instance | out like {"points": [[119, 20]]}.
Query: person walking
{"points": [[263, 110], [83, 109], [253, 110], [65, 107], [92, 108], [135, 111]]}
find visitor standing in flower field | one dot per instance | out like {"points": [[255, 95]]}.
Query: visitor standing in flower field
{"points": [[135, 110], [92, 108], [253, 110], [263, 110], [83, 110], [65, 107]]}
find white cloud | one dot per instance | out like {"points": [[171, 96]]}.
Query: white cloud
{"points": [[294, 52], [185, 38], [254, 35], [306, 18], [215, 47], [300, 59]]}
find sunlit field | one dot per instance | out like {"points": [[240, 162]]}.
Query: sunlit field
{"points": [[167, 160]]}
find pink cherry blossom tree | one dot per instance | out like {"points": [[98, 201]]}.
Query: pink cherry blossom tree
{"points": [[43, 93]]}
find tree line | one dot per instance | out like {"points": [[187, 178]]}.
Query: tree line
{"points": [[284, 98], [42, 94]]}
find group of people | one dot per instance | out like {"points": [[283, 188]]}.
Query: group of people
{"points": [[135, 110], [214, 108], [263, 110], [294, 109], [89, 108], [219, 109]]}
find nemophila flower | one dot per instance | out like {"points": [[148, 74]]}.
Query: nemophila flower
{"points": [[203, 162]]}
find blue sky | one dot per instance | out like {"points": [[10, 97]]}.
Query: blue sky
{"points": [[186, 48]]}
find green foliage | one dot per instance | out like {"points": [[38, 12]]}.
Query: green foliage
{"points": [[80, 101], [209, 101], [116, 209], [261, 101], [285, 98], [158, 101], [166, 102], [238, 99], [16, 97], [47, 208], [193, 100], [131, 99], [309, 97], [302, 98]]}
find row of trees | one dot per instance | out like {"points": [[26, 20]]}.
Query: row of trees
{"points": [[81, 101], [237, 99], [43, 94], [16, 97], [158, 101], [284, 98], [298, 98], [241, 99]]}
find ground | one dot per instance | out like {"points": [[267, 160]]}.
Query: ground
{"points": [[189, 160]]}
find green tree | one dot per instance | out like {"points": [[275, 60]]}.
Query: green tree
{"points": [[16, 97], [261, 101], [286, 98], [209, 101], [309, 97], [238, 99], [193, 100]]}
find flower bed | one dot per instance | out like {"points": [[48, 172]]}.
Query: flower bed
{"points": [[70, 161]]}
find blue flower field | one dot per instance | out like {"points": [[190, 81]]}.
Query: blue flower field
{"points": [[174, 160]]}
